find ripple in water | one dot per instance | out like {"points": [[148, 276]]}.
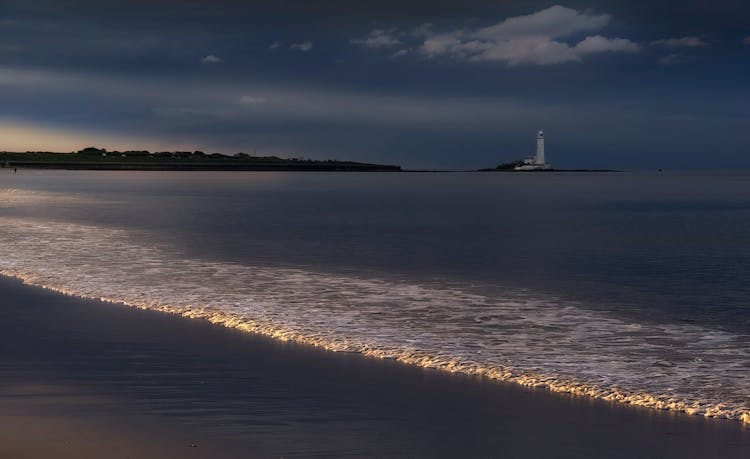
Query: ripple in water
{"points": [[516, 337]]}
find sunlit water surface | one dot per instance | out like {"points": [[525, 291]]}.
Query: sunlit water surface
{"points": [[627, 287]]}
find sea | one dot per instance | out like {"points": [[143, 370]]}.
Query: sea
{"points": [[632, 287]]}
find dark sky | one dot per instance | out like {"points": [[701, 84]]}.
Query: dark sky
{"points": [[443, 84]]}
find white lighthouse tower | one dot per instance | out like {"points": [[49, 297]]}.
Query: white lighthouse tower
{"points": [[538, 161], [540, 148]]}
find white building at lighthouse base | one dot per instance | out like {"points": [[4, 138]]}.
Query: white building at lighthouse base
{"points": [[536, 162]]}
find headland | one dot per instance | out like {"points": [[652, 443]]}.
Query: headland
{"points": [[100, 159]]}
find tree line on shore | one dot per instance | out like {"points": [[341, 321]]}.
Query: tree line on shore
{"points": [[95, 152]]}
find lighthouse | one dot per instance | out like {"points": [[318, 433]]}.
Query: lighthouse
{"points": [[537, 161], [540, 149]]}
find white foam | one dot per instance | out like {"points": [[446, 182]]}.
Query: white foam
{"points": [[518, 337]]}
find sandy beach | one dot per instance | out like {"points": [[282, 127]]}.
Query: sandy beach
{"points": [[89, 379]]}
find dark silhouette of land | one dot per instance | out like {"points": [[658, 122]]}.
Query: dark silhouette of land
{"points": [[92, 158], [511, 167]]}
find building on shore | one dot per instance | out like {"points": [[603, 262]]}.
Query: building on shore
{"points": [[537, 161]]}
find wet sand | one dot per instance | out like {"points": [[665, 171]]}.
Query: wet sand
{"points": [[89, 379]]}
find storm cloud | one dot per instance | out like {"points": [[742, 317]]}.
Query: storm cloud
{"points": [[458, 84]]}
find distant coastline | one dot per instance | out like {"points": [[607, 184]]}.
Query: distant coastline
{"points": [[92, 158], [100, 159]]}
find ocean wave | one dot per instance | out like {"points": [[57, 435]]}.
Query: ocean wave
{"points": [[519, 337]]}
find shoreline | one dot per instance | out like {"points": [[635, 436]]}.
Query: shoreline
{"points": [[463, 367], [278, 396]]}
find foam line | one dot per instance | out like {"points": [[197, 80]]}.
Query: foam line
{"points": [[519, 337]]}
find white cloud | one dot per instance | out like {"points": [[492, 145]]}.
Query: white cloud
{"points": [[253, 100], [527, 50], [554, 22], [275, 45], [303, 46], [682, 42], [445, 43], [400, 53], [599, 44], [211, 59], [746, 40], [378, 38], [531, 39]]}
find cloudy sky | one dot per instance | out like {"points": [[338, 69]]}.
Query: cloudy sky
{"points": [[438, 84]]}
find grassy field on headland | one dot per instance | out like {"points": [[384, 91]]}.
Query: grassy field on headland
{"points": [[100, 159]]}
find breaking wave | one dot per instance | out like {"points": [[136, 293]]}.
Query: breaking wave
{"points": [[517, 337]]}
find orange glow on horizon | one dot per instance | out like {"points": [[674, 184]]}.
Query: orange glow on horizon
{"points": [[20, 136]]}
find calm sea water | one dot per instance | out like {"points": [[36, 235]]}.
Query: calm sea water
{"points": [[623, 286]]}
